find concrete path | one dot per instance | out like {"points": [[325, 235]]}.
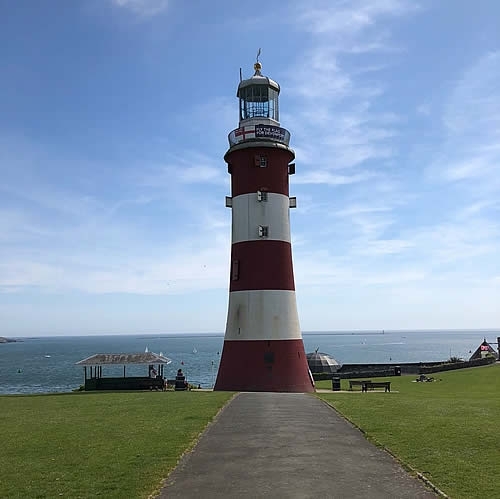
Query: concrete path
{"points": [[284, 445]]}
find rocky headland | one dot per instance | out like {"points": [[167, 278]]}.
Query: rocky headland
{"points": [[7, 340]]}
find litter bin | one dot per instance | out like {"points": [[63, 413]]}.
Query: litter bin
{"points": [[397, 371], [335, 384]]}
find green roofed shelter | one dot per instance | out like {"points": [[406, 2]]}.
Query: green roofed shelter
{"points": [[93, 371]]}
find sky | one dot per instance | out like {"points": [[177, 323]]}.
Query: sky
{"points": [[114, 116]]}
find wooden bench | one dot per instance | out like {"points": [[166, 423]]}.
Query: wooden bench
{"points": [[370, 385], [354, 382]]}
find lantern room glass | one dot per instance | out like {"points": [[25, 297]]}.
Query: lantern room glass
{"points": [[258, 101]]}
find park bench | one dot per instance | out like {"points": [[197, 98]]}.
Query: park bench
{"points": [[370, 385], [176, 384], [354, 382]]}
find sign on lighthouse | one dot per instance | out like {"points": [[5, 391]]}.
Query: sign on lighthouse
{"points": [[263, 348]]}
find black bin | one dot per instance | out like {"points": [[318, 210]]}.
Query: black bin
{"points": [[336, 384], [397, 371]]}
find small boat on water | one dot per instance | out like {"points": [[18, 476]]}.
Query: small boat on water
{"points": [[47, 356]]}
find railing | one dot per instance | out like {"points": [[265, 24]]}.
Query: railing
{"points": [[259, 132]]}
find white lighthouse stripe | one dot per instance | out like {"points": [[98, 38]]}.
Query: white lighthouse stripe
{"points": [[248, 214], [262, 315]]}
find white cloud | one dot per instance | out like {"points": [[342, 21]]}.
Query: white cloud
{"points": [[385, 247], [152, 229], [201, 173], [145, 8], [455, 241], [329, 178], [471, 150], [107, 261], [190, 168], [357, 209], [346, 140], [349, 19], [334, 114], [478, 207], [320, 270], [179, 270], [424, 109]]}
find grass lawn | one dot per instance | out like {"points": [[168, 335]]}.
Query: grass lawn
{"points": [[98, 444], [448, 430]]}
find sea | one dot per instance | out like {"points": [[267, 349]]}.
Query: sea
{"points": [[47, 364]]}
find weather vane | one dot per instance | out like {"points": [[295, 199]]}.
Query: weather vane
{"points": [[258, 54]]}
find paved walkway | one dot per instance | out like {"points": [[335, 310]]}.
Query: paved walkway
{"points": [[284, 445]]}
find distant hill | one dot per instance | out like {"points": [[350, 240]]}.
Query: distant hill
{"points": [[6, 340]]}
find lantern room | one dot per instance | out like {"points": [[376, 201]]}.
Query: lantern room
{"points": [[258, 99]]}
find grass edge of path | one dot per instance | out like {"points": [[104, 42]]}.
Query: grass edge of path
{"points": [[191, 446], [373, 440]]}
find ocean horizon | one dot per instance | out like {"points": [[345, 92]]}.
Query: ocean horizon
{"points": [[212, 333], [46, 364]]}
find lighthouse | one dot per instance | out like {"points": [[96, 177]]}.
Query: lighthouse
{"points": [[263, 348]]}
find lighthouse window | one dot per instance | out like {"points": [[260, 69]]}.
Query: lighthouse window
{"points": [[260, 161], [261, 195], [235, 270], [258, 101], [263, 231]]}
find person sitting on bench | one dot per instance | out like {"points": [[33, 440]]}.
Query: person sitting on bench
{"points": [[180, 381]]}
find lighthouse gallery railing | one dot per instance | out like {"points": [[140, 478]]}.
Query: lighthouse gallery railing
{"points": [[259, 132]]}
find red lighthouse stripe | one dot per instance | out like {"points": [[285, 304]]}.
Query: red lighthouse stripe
{"points": [[262, 264], [273, 366], [246, 177]]}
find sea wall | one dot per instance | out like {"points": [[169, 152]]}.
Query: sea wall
{"points": [[348, 371], [457, 365]]}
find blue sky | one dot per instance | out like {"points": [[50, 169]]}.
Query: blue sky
{"points": [[114, 117]]}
